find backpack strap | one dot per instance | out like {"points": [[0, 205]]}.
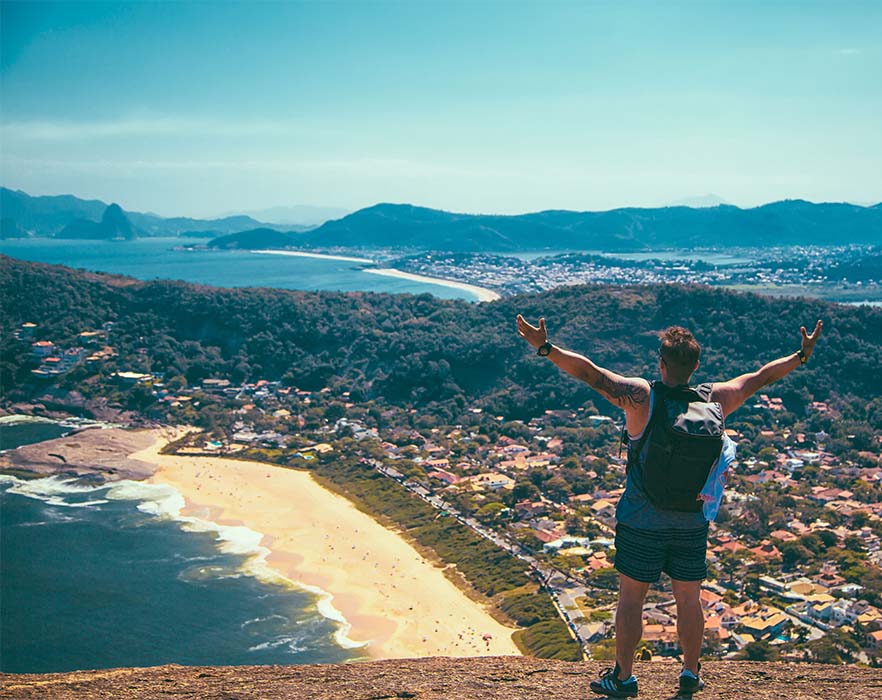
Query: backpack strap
{"points": [[704, 391], [657, 393], [684, 392]]}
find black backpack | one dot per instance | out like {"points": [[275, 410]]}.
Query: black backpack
{"points": [[682, 441]]}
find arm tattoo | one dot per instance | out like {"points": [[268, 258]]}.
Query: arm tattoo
{"points": [[622, 393]]}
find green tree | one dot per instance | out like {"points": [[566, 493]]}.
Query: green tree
{"points": [[490, 513], [524, 491], [824, 651], [604, 650], [575, 525], [794, 554], [605, 578], [558, 489], [759, 651]]}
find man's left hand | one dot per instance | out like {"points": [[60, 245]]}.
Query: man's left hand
{"points": [[533, 335]]}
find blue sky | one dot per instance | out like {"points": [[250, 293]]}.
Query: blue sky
{"points": [[201, 108]]}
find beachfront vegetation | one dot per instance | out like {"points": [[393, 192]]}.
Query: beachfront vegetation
{"points": [[527, 608], [544, 639]]}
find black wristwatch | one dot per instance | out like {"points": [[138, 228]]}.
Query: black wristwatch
{"points": [[803, 358], [544, 350]]}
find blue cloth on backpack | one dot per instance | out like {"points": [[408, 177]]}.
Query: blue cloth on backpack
{"points": [[712, 493]]}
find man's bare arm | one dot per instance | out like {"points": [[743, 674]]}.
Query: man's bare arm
{"points": [[736, 391], [624, 392], [629, 393]]}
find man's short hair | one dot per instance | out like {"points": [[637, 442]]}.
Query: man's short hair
{"points": [[680, 349]]}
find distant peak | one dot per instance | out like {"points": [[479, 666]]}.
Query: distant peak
{"points": [[700, 201]]}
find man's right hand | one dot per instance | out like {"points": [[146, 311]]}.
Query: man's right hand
{"points": [[533, 335], [808, 341]]}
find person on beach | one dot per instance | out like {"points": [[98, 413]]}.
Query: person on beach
{"points": [[650, 539]]}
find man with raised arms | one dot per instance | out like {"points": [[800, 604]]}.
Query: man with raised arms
{"points": [[650, 539]]}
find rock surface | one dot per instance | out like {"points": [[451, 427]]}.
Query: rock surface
{"points": [[486, 678], [93, 451]]}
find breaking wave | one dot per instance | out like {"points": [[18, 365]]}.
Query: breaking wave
{"points": [[165, 502]]}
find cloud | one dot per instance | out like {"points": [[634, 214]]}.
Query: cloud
{"points": [[367, 167], [39, 130], [848, 52]]}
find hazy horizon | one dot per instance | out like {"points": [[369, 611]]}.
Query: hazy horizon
{"points": [[480, 107], [252, 213]]}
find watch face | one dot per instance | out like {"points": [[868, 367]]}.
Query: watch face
{"points": [[545, 349]]}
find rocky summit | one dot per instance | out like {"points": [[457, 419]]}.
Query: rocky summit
{"points": [[439, 678]]}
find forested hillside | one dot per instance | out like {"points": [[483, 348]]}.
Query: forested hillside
{"points": [[439, 355]]}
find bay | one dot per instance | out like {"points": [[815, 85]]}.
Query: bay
{"points": [[156, 258]]}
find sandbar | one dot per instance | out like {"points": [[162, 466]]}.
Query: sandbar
{"points": [[482, 293], [399, 604], [302, 254]]}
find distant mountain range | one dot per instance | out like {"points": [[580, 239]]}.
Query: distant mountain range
{"points": [[68, 217], [789, 222]]}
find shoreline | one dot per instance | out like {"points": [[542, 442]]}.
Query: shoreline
{"points": [[482, 293], [385, 595], [321, 256]]}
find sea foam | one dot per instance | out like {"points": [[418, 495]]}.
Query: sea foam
{"points": [[293, 643], [165, 501], [53, 490], [155, 499], [18, 418]]}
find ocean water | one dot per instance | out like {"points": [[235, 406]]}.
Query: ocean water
{"points": [[102, 575], [24, 430], [155, 258]]}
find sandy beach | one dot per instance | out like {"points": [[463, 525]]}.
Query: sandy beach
{"points": [[399, 604], [301, 254], [480, 292]]}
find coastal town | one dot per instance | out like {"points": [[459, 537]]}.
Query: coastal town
{"points": [[843, 272], [795, 555]]}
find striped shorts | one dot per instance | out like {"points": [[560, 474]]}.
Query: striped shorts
{"points": [[643, 554]]}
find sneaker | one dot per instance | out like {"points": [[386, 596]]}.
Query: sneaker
{"points": [[689, 683], [610, 685]]}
